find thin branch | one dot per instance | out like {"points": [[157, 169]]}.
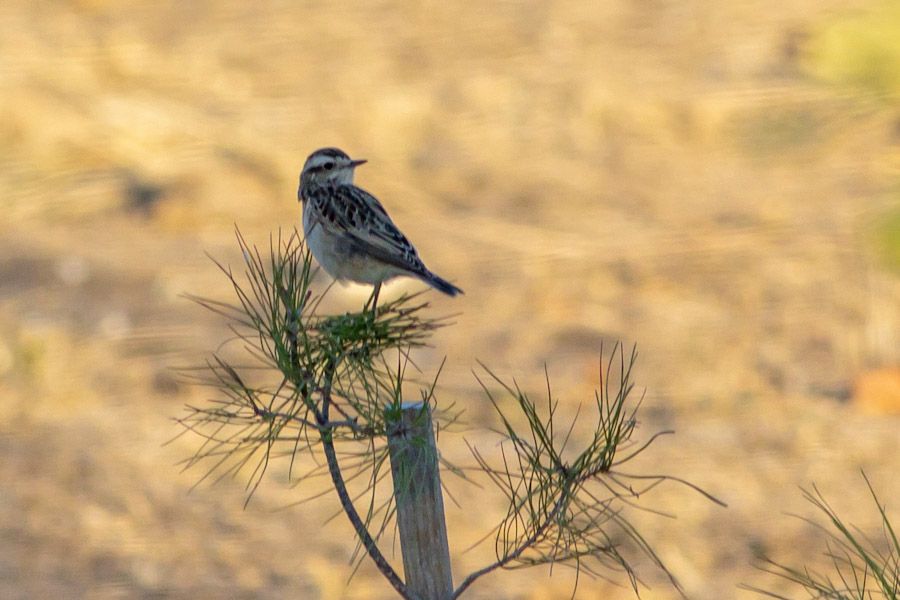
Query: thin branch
{"points": [[337, 479], [524, 546]]}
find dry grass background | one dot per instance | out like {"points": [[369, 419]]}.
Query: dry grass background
{"points": [[702, 178]]}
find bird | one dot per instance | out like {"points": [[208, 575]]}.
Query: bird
{"points": [[350, 233]]}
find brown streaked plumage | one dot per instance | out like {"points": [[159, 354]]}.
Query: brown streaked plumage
{"points": [[350, 233]]}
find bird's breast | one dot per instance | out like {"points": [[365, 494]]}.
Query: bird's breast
{"points": [[336, 254]]}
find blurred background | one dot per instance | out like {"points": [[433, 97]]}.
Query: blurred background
{"points": [[717, 182]]}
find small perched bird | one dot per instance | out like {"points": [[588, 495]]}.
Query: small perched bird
{"points": [[349, 232]]}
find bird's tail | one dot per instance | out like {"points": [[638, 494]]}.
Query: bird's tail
{"points": [[441, 285]]}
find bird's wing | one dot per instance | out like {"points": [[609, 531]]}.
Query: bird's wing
{"points": [[360, 217]]}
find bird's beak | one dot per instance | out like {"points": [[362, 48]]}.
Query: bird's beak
{"points": [[356, 163]]}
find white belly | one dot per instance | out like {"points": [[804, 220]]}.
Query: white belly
{"points": [[335, 256]]}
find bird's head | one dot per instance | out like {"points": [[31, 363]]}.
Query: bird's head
{"points": [[328, 166]]}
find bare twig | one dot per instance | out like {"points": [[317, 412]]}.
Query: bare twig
{"points": [[337, 479]]}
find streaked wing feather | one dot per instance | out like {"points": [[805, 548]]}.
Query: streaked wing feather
{"points": [[360, 217]]}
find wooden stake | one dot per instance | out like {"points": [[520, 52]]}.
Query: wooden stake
{"points": [[420, 504]]}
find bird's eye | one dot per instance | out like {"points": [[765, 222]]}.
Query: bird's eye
{"points": [[328, 166]]}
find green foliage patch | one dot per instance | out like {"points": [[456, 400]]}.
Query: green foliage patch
{"points": [[861, 50]]}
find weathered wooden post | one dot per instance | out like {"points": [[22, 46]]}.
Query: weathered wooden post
{"points": [[420, 504]]}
